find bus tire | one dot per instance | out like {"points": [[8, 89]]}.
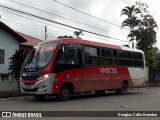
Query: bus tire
{"points": [[65, 93], [123, 89], [100, 92], [40, 97]]}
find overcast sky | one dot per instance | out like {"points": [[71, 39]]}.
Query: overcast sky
{"points": [[108, 10]]}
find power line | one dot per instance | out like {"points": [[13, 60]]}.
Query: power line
{"points": [[48, 20], [127, 2], [91, 36], [86, 13], [66, 17], [21, 23], [35, 20], [57, 12], [103, 39], [61, 28]]}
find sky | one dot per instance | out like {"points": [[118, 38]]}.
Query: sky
{"points": [[107, 10]]}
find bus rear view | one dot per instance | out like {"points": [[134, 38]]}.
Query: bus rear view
{"points": [[68, 66]]}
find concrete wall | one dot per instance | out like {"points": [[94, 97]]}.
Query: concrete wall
{"points": [[9, 44], [147, 73]]}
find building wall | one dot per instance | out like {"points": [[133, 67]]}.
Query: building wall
{"points": [[147, 73], [9, 44]]}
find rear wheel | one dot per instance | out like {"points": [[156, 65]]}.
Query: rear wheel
{"points": [[100, 92], [123, 89], [39, 97], [65, 93]]}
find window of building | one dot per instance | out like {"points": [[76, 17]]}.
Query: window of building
{"points": [[1, 56]]}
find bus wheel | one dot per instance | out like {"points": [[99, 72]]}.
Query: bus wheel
{"points": [[65, 93], [39, 97], [123, 89], [100, 92]]}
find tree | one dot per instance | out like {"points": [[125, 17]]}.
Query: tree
{"points": [[143, 30], [146, 35], [132, 20], [77, 34], [16, 62], [65, 36]]}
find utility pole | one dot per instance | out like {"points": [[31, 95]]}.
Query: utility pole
{"points": [[46, 33]]}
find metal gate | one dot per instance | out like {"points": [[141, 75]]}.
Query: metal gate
{"points": [[154, 75]]}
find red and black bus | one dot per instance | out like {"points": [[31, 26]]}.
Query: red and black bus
{"points": [[67, 66]]}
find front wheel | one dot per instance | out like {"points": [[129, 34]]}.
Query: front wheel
{"points": [[122, 90], [65, 93]]}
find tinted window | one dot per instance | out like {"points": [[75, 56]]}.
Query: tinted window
{"points": [[137, 56], [125, 54], [125, 62], [68, 57], [109, 61], [128, 55], [92, 55], [122, 54], [92, 51], [115, 53], [137, 63], [107, 53]]}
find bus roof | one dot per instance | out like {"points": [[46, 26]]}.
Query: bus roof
{"points": [[91, 43]]}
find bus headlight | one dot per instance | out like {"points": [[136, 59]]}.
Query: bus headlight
{"points": [[43, 77]]}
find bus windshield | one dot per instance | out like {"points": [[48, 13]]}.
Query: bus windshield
{"points": [[40, 56]]}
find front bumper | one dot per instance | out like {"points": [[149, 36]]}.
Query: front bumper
{"points": [[44, 86]]}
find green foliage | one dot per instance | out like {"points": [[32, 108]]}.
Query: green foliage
{"points": [[65, 36], [142, 29], [132, 20], [16, 62], [78, 33], [153, 58]]}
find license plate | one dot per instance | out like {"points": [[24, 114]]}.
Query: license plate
{"points": [[28, 87]]}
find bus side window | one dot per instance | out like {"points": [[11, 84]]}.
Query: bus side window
{"points": [[71, 56], [92, 55], [68, 57], [138, 59]]}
